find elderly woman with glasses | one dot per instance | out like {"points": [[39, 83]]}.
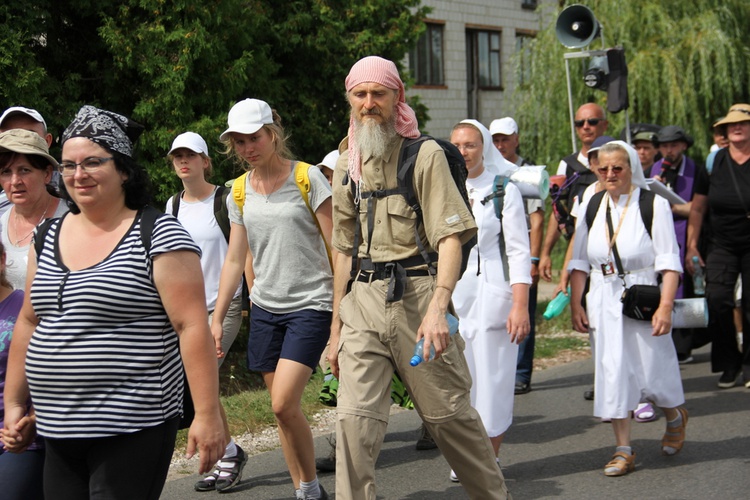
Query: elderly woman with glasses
{"points": [[633, 358], [723, 190], [113, 308]]}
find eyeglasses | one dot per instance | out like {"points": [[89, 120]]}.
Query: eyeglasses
{"points": [[89, 165], [616, 169], [592, 121]]}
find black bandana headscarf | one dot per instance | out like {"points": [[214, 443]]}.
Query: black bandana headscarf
{"points": [[105, 128]]}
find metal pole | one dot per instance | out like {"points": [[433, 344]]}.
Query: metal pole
{"points": [[570, 106], [627, 128]]}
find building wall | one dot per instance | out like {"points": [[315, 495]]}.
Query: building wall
{"points": [[449, 104]]}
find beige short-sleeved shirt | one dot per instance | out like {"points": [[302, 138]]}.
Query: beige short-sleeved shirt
{"points": [[444, 210]]}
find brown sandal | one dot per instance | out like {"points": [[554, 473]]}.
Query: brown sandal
{"points": [[622, 462], [674, 437]]}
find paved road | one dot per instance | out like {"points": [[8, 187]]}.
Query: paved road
{"points": [[555, 449]]}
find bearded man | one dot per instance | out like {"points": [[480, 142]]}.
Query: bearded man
{"points": [[394, 298]]}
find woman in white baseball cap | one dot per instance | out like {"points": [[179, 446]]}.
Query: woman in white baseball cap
{"points": [[201, 208], [289, 272]]}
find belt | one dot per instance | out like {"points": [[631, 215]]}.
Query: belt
{"points": [[395, 273], [370, 276]]}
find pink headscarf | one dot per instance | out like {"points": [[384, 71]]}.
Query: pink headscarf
{"points": [[374, 69]]}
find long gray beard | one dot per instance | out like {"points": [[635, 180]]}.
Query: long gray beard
{"points": [[375, 139]]}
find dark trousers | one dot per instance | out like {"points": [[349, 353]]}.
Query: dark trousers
{"points": [[525, 363], [722, 268], [21, 475], [126, 466]]}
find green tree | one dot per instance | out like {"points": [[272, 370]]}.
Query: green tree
{"points": [[176, 65], [687, 61]]}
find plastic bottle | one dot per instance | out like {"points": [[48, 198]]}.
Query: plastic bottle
{"points": [[699, 280], [557, 305], [419, 348]]}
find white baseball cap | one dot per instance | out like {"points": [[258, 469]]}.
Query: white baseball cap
{"points": [[330, 160], [20, 110], [505, 126], [247, 117], [189, 140]]}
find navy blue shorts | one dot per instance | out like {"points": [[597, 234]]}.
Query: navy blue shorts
{"points": [[300, 336]]}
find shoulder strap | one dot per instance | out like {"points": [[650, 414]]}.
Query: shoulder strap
{"points": [[221, 213], [238, 191], [646, 204], [41, 235], [498, 199], [302, 179], [149, 215], [573, 165], [593, 206], [176, 203]]}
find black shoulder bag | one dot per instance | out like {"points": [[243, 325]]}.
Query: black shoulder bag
{"points": [[638, 301]]}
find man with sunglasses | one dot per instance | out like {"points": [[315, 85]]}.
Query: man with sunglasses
{"points": [[590, 123], [677, 171]]}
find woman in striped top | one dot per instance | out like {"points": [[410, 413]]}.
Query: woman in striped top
{"points": [[101, 324]]}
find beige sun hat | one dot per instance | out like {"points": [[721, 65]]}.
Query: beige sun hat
{"points": [[736, 114], [25, 142]]}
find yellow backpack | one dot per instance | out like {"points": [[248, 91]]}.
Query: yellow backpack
{"points": [[302, 179]]}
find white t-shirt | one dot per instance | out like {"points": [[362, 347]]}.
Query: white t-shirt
{"points": [[584, 159], [197, 217], [17, 257]]}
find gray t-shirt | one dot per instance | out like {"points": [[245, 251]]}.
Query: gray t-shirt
{"points": [[290, 263]]}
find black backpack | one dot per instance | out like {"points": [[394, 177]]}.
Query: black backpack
{"points": [[645, 203], [405, 187], [221, 212], [577, 178]]}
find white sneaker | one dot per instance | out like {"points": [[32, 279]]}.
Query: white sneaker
{"points": [[454, 477]]}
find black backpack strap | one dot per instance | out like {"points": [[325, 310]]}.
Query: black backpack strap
{"points": [[221, 212], [149, 215], [409, 152], [41, 234], [646, 204], [176, 203], [593, 207]]}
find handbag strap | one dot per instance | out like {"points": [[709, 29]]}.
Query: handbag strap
{"points": [[618, 262]]}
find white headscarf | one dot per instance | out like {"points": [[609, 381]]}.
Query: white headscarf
{"points": [[493, 159], [637, 178]]}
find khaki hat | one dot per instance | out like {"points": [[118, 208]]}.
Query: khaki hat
{"points": [[736, 114], [26, 143]]}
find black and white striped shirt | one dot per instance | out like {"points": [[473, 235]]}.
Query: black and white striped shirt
{"points": [[104, 358]]}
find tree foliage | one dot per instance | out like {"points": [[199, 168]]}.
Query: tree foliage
{"points": [[687, 62], [177, 65]]}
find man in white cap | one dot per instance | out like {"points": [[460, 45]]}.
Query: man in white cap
{"points": [[328, 165], [505, 138], [395, 297], [27, 119]]}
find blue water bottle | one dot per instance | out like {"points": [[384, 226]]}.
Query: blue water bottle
{"points": [[699, 279], [419, 348], [557, 305]]}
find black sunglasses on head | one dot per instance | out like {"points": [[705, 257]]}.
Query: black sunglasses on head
{"points": [[592, 121]]}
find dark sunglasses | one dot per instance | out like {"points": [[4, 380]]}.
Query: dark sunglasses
{"points": [[592, 121], [617, 170]]}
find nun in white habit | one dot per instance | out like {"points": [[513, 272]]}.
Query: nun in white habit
{"points": [[634, 359], [492, 307]]}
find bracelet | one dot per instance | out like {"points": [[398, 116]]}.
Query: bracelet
{"points": [[445, 287], [535, 260]]}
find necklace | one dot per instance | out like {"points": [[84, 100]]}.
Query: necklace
{"points": [[271, 191], [16, 219]]}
